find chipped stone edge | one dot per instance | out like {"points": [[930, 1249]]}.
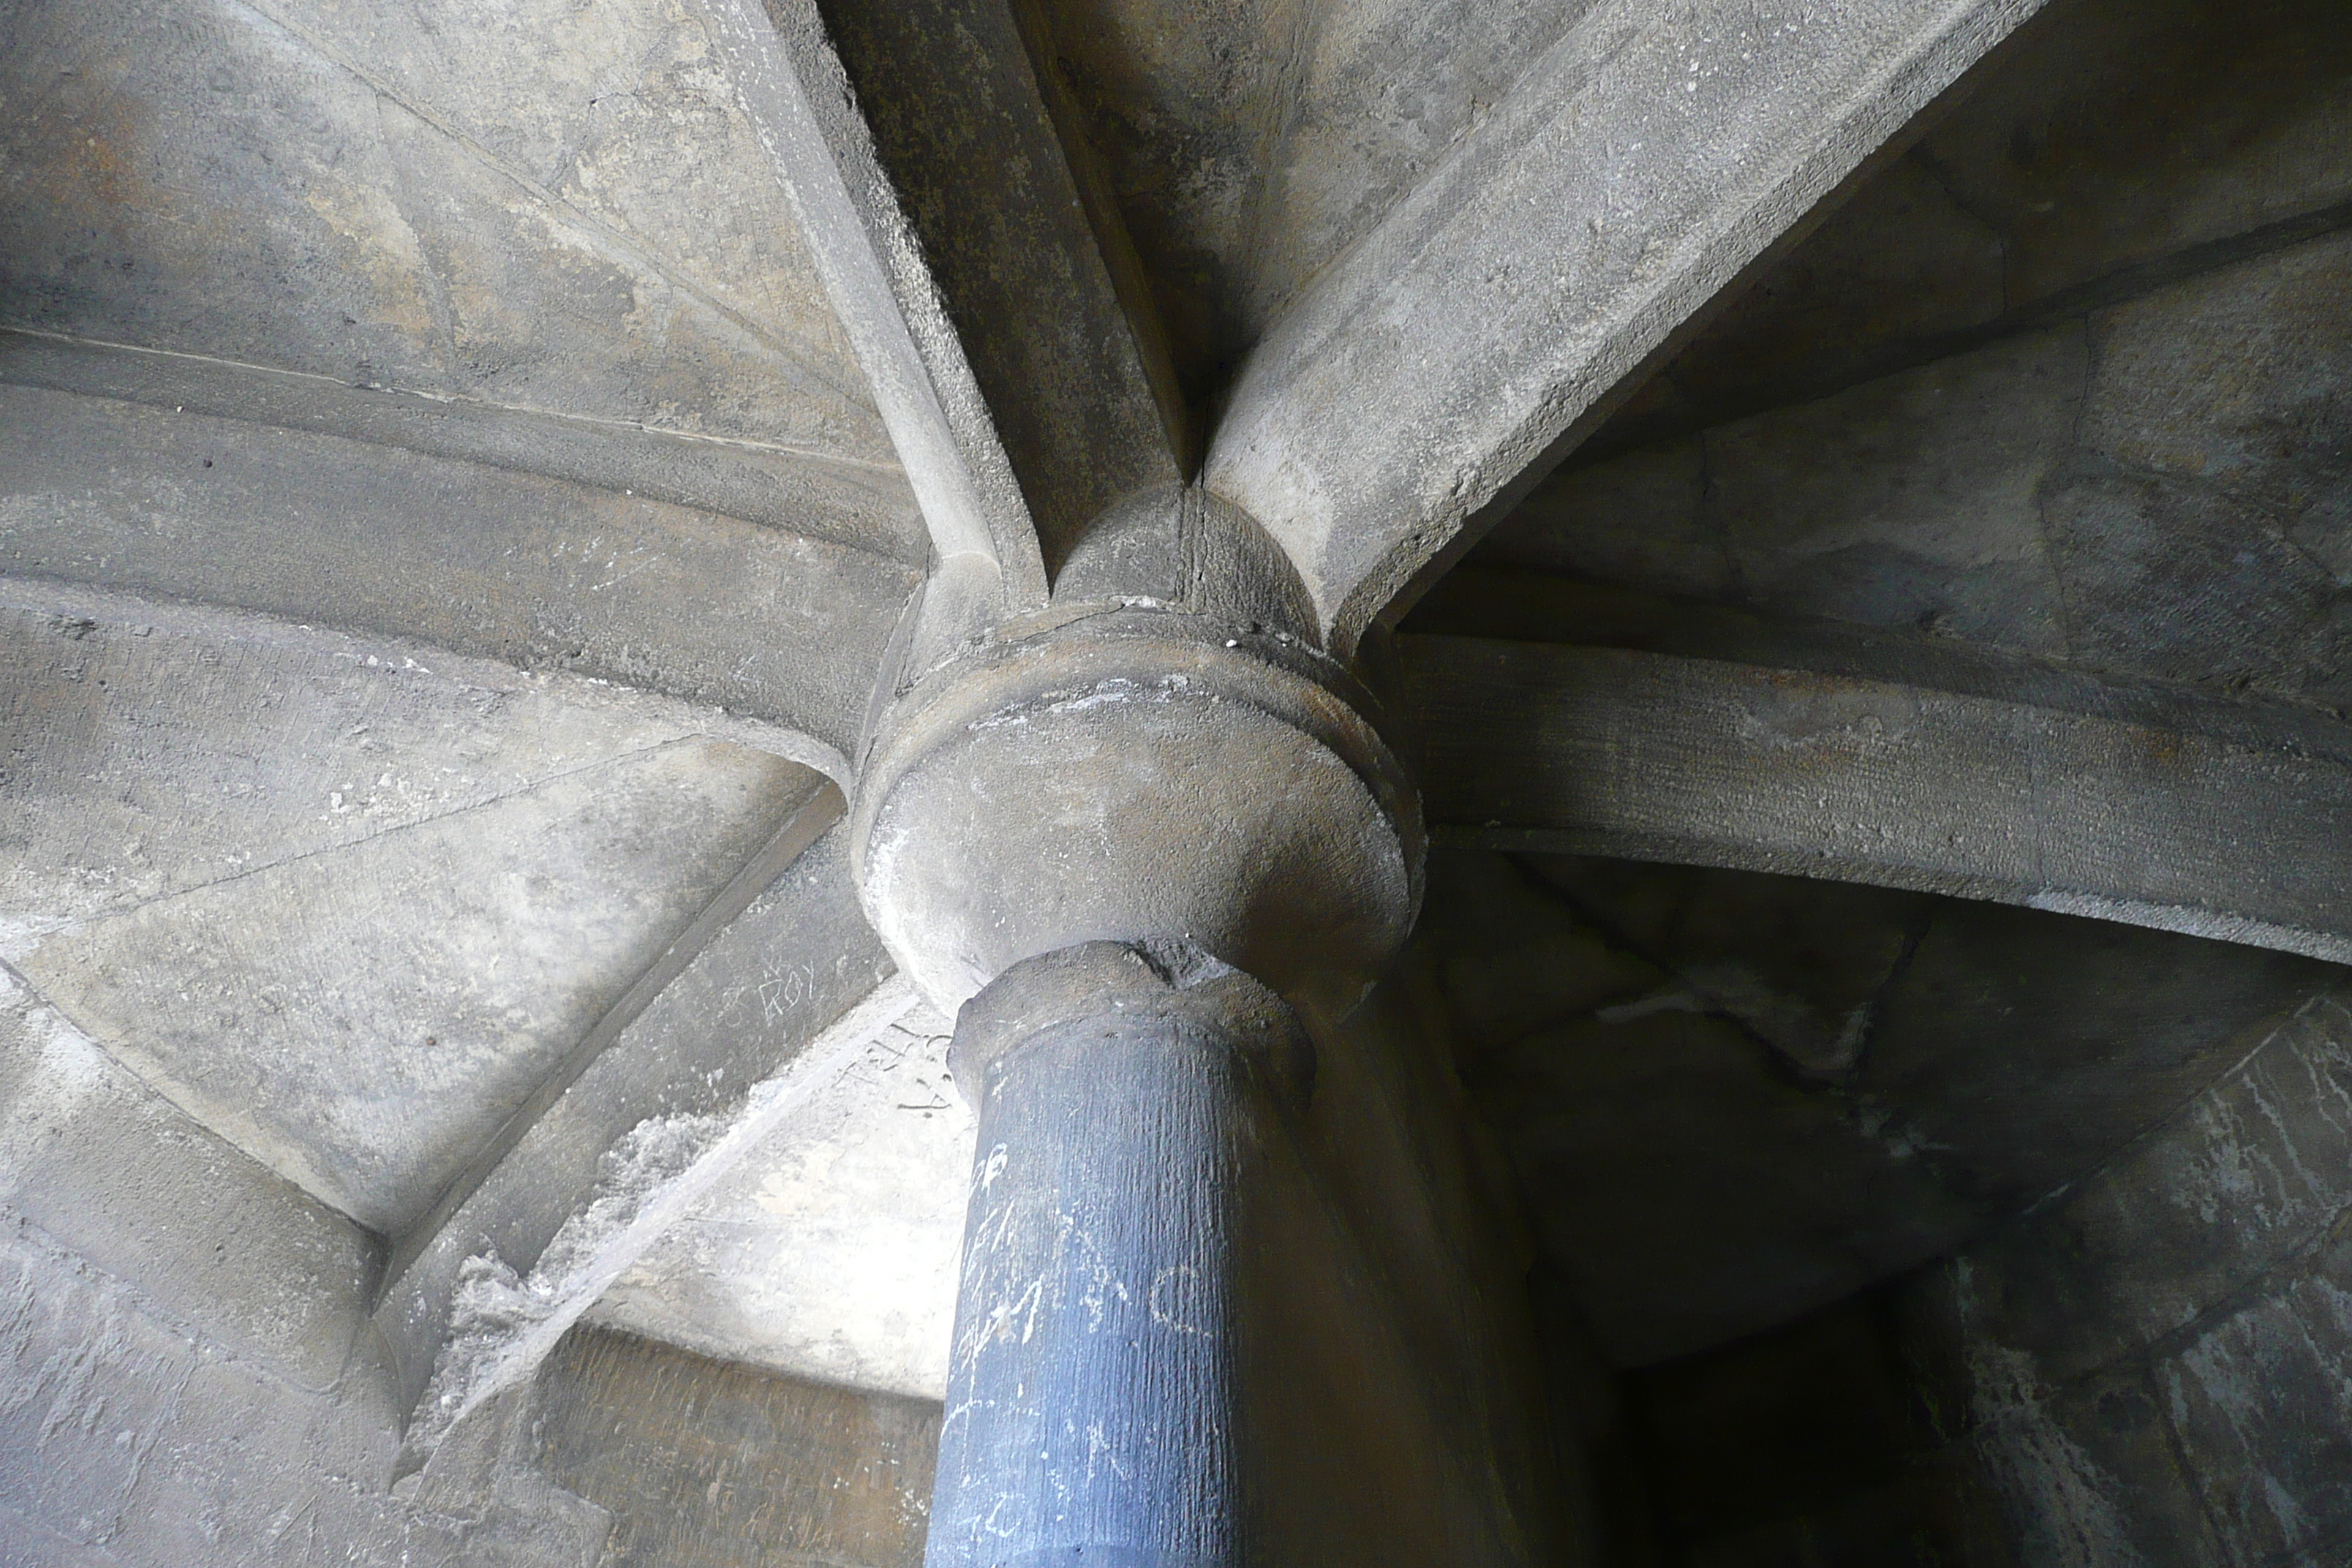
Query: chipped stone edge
{"points": [[504, 1324]]}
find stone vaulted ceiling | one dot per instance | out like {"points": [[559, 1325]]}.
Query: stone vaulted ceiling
{"points": [[1848, 514]]}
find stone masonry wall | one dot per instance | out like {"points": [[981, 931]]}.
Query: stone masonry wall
{"points": [[2155, 1365]]}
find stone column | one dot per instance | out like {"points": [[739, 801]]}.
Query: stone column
{"points": [[1145, 841], [1129, 1098]]}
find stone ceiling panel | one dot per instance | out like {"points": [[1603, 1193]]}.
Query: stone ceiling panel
{"points": [[363, 1019], [564, 211], [342, 909], [2157, 123], [2153, 489], [149, 750], [831, 1252], [1249, 144]]}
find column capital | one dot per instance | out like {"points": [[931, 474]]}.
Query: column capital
{"points": [[1173, 765]]}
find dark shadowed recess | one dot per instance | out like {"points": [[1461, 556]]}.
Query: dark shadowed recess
{"points": [[1751, 1116], [1874, 1227], [1733, 1099]]}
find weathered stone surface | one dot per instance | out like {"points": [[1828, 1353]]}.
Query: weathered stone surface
{"points": [[1250, 146], [97, 1160], [2248, 1175], [1643, 520], [1582, 1105], [2181, 820], [2167, 505], [481, 560], [829, 1252], [2238, 378], [1806, 968], [2156, 1354], [796, 95], [1911, 501], [1515, 963], [1714, 1134], [133, 1438], [2125, 146], [858, 504], [2125, 1029], [775, 1005], [567, 213], [2258, 1398], [152, 748], [260, 724], [2183, 527], [1134, 771], [559, 223], [1899, 262], [366, 1060], [2186, 582], [2091, 1477], [708, 1466], [1081, 394], [1638, 165], [2210, 538], [1405, 1417], [2140, 128]]}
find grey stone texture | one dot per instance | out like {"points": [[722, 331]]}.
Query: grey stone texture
{"points": [[2152, 493], [828, 1253], [1081, 394], [2152, 1363], [1133, 764], [798, 97], [2122, 144], [2136, 128], [212, 815], [188, 1375], [98, 1161], [1249, 146], [1434, 367], [208, 814], [449, 502], [472, 558], [2182, 817], [367, 1063], [1715, 1132], [154, 750], [856, 504], [1911, 499], [704, 1465], [560, 210], [135, 1440], [776, 1003], [1413, 1427], [2051, 404], [2110, 431]]}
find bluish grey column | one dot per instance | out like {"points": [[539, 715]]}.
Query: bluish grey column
{"points": [[1097, 1410]]}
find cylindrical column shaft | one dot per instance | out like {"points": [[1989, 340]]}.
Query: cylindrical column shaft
{"points": [[1096, 1409]]}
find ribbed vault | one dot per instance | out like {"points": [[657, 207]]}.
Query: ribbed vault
{"points": [[1842, 512]]}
